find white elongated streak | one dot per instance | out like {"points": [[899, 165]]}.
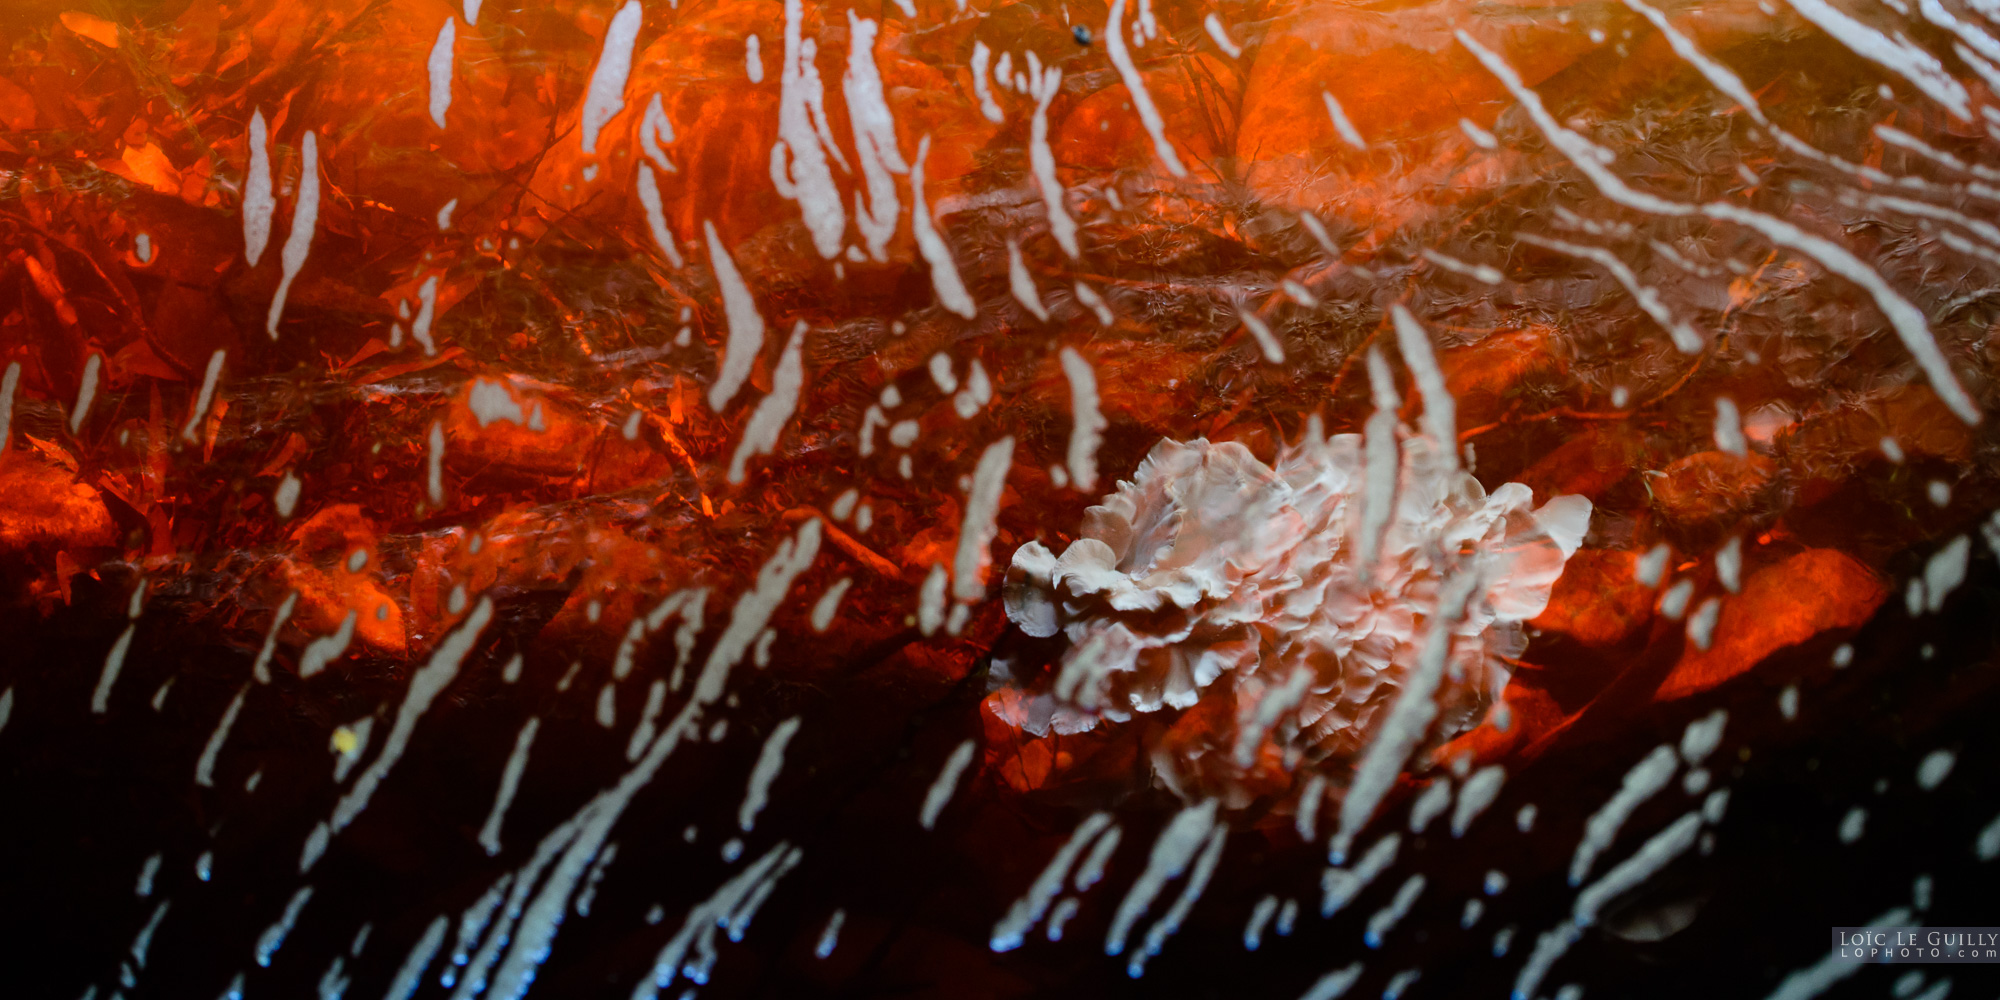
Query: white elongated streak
{"points": [[1908, 321], [746, 324], [8, 383], [435, 472], [1087, 423], [1021, 917], [420, 328], [528, 933], [305, 219], [976, 531], [259, 204], [950, 287], [605, 96], [1897, 55], [874, 138], [100, 699], [324, 650], [1142, 102], [425, 685], [86, 391], [1022, 284], [261, 669], [202, 400], [1274, 350], [1440, 409], [760, 432], [980, 88], [510, 782], [1648, 298], [1341, 124], [1042, 160], [1221, 36], [204, 768], [440, 67], [799, 167], [946, 782], [656, 216], [1172, 851], [770, 760]]}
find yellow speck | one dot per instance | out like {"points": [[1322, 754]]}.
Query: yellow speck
{"points": [[344, 740]]}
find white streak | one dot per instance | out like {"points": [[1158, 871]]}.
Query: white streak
{"points": [[875, 144], [1945, 571], [1479, 136], [1729, 428], [425, 685], [1701, 624], [7, 711], [1274, 351], [950, 287], [440, 65], [760, 433], [931, 600], [1260, 915], [1644, 863], [1307, 820], [100, 699], [1909, 322], [976, 530], [1042, 160], [1440, 410], [798, 161], [753, 59], [746, 325], [1435, 799], [204, 769], [435, 472], [769, 762], [420, 328], [605, 96], [828, 604], [1485, 274], [1475, 795], [1142, 102], [412, 971], [86, 391], [731, 907], [1648, 298], [258, 203], [829, 936], [1091, 871], [946, 783], [305, 219], [1172, 851], [1087, 424], [261, 669], [1898, 55], [1822, 975], [1341, 124], [472, 11], [1089, 297], [274, 936], [324, 650], [656, 128], [510, 782], [1030, 908], [1702, 736], [656, 216], [987, 105], [1221, 35], [1380, 453], [8, 383], [1170, 922], [1729, 564], [1339, 886], [1934, 768], [1641, 782], [202, 400], [1335, 984], [1385, 919]]}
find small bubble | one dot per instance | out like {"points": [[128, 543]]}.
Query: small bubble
{"points": [[1081, 34]]}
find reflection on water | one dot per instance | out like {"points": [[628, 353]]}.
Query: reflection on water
{"points": [[745, 498]]}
